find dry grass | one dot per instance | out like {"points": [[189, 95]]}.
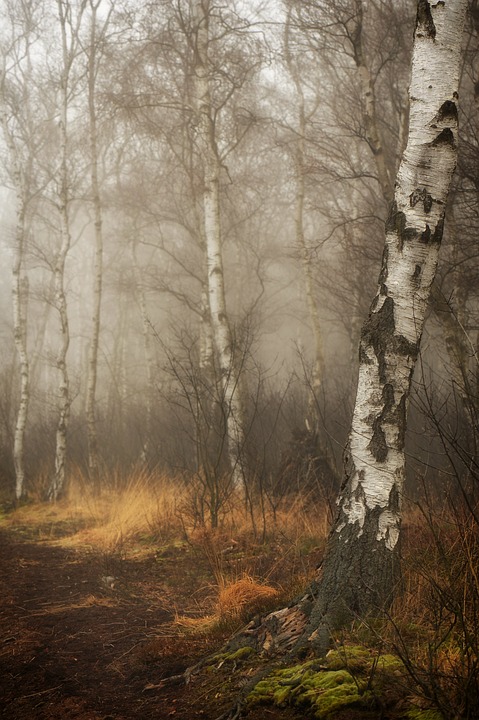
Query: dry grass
{"points": [[145, 507], [244, 596]]}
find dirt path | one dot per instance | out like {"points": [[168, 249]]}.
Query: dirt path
{"points": [[72, 647]]}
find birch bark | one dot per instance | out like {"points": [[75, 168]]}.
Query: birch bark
{"points": [[19, 290], [212, 226], [68, 50], [361, 564]]}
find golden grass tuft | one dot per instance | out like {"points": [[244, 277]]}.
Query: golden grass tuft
{"points": [[244, 596], [145, 507]]}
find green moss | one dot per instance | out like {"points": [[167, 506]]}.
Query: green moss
{"points": [[324, 692], [352, 657], [346, 677], [234, 657]]}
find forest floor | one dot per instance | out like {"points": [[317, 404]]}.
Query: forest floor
{"points": [[76, 644], [89, 629]]}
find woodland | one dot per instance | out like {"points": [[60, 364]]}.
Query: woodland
{"points": [[209, 497]]}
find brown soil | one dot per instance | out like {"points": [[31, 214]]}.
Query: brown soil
{"points": [[73, 647]]}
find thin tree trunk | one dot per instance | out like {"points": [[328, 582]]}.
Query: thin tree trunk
{"points": [[19, 295], [64, 401], [93, 459], [146, 328], [370, 118], [299, 176], [212, 225]]}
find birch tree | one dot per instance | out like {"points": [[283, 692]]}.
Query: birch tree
{"points": [[305, 255], [97, 34], [69, 25], [19, 176], [209, 154], [361, 564], [19, 113], [360, 569]]}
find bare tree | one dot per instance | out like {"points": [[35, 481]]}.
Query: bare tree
{"points": [[69, 24], [97, 33], [207, 143], [17, 123]]}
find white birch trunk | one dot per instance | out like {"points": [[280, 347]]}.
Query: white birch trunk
{"points": [[93, 460], [361, 562], [212, 226], [64, 401], [19, 293]]}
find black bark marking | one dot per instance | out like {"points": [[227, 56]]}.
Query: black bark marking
{"points": [[445, 137], [416, 276], [378, 446], [359, 494], [401, 421], [403, 346], [437, 235], [426, 236], [396, 221], [447, 112], [394, 500], [409, 233], [425, 24], [377, 331], [421, 195], [383, 274]]}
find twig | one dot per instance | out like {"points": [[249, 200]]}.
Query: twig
{"points": [[41, 692]]}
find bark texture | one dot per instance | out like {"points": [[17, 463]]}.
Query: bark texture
{"points": [[19, 288]]}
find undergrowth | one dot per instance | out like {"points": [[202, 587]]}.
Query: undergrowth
{"points": [[429, 642]]}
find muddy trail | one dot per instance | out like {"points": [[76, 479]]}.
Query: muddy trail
{"points": [[83, 636]]}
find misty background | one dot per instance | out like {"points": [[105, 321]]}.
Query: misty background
{"points": [[102, 222]]}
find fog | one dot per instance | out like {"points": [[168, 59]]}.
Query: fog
{"points": [[134, 135]]}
